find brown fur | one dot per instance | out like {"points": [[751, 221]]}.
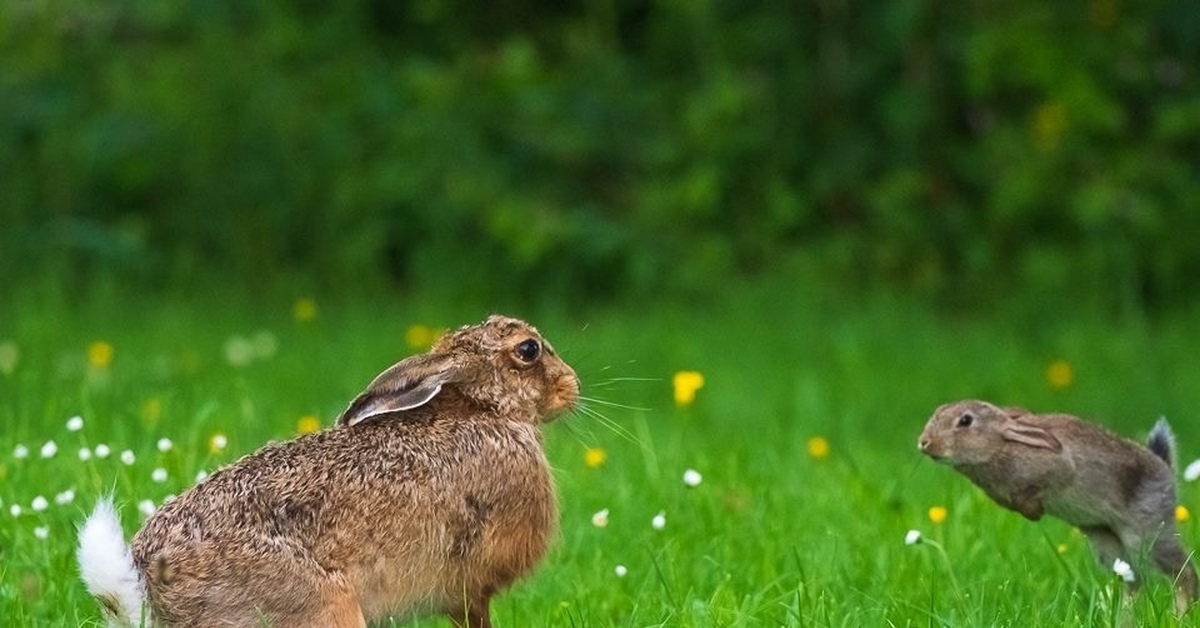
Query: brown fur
{"points": [[399, 508], [1117, 492]]}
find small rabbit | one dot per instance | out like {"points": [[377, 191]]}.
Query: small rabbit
{"points": [[1118, 493], [430, 495]]}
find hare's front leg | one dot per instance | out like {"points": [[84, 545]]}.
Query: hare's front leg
{"points": [[340, 609], [477, 613], [274, 593]]}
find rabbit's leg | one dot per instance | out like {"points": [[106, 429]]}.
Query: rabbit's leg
{"points": [[1169, 556], [1108, 548], [1026, 501]]}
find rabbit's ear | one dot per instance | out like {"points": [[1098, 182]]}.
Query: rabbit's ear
{"points": [[1014, 412], [408, 384], [1026, 434]]}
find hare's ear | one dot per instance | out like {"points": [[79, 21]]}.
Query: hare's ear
{"points": [[408, 384], [1026, 434]]}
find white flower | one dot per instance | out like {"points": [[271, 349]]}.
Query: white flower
{"points": [[102, 451], [218, 442], [146, 507], [15, 510], [85, 454], [39, 504], [264, 345], [620, 570], [600, 519], [1122, 568], [127, 457], [201, 475], [659, 521], [692, 477], [75, 423], [239, 351], [1192, 471], [913, 537], [165, 445], [159, 475], [65, 497], [49, 449], [20, 452], [41, 532]]}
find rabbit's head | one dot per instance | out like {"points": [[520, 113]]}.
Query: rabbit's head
{"points": [[502, 365], [973, 432]]}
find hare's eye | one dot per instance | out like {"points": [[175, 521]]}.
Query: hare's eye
{"points": [[528, 351], [966, 420]]}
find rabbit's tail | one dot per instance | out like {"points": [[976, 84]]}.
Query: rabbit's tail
{"points": [[1161, 442], [107, 566]]}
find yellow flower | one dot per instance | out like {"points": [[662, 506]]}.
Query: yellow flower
{"points": [[1103, 13], [308, 424], [818, 447], [1049, 126], [686, 385], [594, 457], [100, 354], [217, 443], [151, 410], [1182, 513], [420, 337], [304, 310], [937, 514], [1060, 375]]}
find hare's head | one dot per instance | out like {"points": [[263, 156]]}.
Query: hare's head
{"points": [[502, 365], [973, 432]]}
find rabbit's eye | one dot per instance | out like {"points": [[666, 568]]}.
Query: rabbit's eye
{"points": [[528, 351], [966, 420]]}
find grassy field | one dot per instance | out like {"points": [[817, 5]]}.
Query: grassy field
{"points": [[803, 435]]}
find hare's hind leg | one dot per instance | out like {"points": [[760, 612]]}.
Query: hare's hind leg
{"points": [[332, 607], [290, 595]]}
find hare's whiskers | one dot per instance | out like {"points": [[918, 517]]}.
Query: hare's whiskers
{"points": [[613, 382], [611, 404], [608, 423]]}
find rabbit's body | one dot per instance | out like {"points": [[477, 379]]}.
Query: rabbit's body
{"points": [[433, 507], [1117, 492], [1077, 483]]}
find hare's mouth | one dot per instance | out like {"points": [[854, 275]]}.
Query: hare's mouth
{"points": [[563, 399], [939, 457]]}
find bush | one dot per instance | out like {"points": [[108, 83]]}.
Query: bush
{"points": [[619, 148]]}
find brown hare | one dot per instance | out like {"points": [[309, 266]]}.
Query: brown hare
{"points": [[1117, 492], [430, 495]]}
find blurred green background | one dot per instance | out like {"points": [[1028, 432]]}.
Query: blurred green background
{"points": [[960, 151]]}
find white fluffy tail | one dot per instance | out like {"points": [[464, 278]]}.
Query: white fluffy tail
{"points": [[107, 566]]}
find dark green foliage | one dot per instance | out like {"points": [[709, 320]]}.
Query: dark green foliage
{"points": [[610, 148]]}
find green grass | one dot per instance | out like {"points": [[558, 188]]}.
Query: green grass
{"points": [[771, 537]]}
